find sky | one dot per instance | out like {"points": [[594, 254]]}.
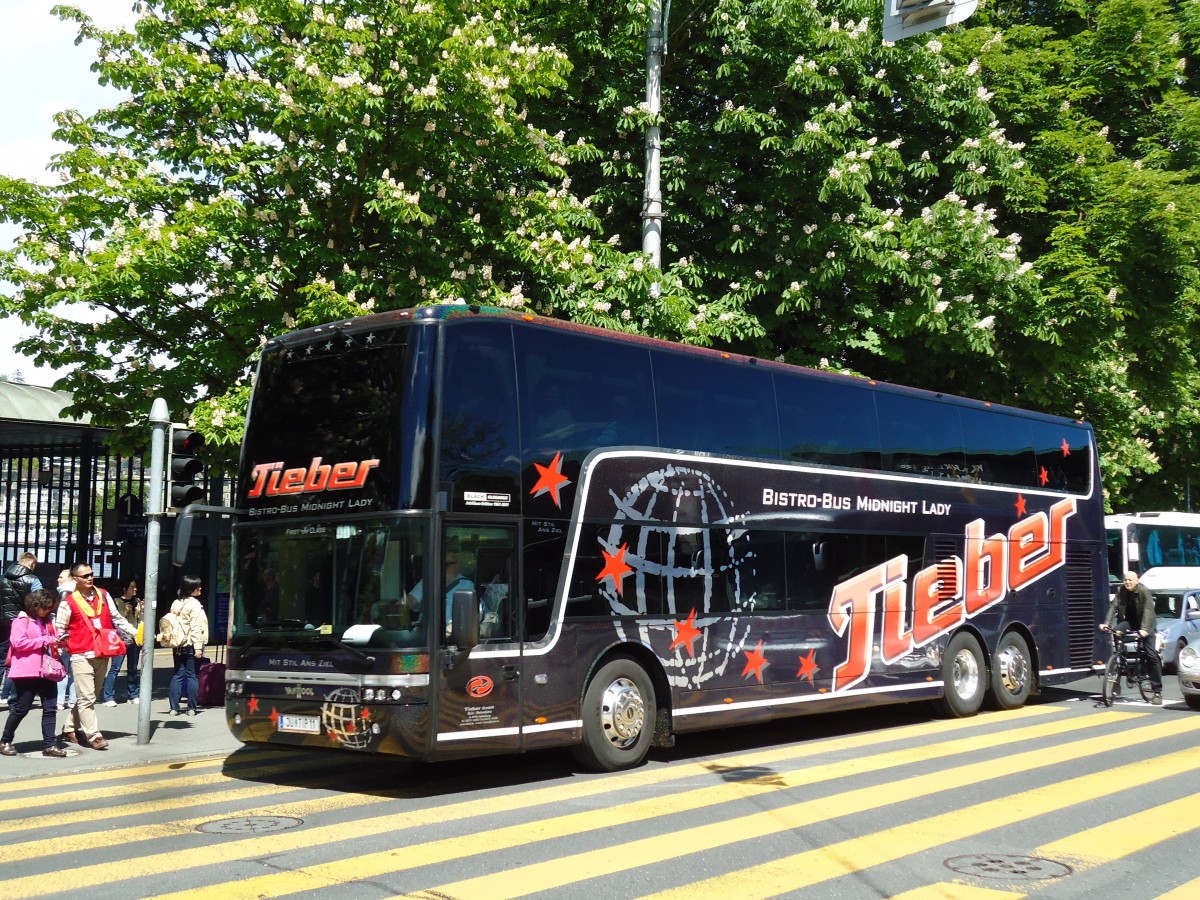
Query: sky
{"points": [[43, 73]]}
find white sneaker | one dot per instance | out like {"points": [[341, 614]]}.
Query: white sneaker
{"points": [[110, 702], [135, 700]]}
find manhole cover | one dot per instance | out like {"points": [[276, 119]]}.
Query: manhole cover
{"points": [[250, 825], [1001, 865]]}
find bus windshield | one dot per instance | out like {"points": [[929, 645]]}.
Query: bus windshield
{"points": [[330, 579], [337, 426]]}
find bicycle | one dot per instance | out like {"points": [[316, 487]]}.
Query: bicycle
{"points": [[1126, 663]]}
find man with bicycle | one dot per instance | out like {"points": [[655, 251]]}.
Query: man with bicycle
{"points": [[1133, 605]]}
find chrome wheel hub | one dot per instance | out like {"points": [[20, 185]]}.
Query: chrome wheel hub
{"points": [[966, 674], [1014, 670], [622, 713]]}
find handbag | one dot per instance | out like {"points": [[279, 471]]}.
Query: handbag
{"points": [[52, 667], [108, 643]]}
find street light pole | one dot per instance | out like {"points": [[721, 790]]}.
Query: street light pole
{"points": [[652, 201], [159, 420]]}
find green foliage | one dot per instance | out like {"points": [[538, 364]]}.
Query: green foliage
{"points": [[1108, 122], [1006, 210]]}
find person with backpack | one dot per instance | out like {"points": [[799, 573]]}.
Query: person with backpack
{"points": [[187, 635]]}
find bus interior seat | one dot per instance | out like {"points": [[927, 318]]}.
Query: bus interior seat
{"points": [[494, 585]]}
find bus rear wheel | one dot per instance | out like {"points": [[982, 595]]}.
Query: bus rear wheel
{"points": [[964, 677], [1012, 672], [618, 717]]}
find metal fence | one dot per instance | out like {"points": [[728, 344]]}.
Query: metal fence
{"points": [[70, 502]]}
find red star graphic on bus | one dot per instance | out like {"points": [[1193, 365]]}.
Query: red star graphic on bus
{"points": [[274, 717], [686, 634], [365, 715], [615, 567], [253, 704], [1020, 505], [1066, 448], [755, 662], [550, 479], [809, 667], [1043, 476]]}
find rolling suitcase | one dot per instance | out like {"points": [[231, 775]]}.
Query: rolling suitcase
{"points": [[211, 675]]}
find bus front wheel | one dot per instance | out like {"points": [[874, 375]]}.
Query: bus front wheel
{"points": [[1012, 672], [964, 677], [618, 717]]}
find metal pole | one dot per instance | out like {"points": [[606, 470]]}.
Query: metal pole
{"points": [[159, 420], [652, 202]]}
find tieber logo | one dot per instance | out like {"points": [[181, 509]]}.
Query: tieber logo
{"points": [[945, 594], [273, 480]]}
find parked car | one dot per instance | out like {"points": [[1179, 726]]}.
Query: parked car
{"points": [[1177, 610], [1174, 629], [1189, 672]]}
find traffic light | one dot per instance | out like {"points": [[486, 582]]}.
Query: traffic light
{"points": [[184, 470]]}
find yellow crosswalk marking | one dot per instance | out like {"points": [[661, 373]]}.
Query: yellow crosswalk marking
{"points": [[1125, 836], [814, 867], [954, 891], [1189, 891], [458, 811], [579, 867]]}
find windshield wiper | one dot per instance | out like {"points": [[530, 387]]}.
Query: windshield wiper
{"points": [[318, 638]]}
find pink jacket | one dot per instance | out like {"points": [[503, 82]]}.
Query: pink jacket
{"points": [[27, 640]]}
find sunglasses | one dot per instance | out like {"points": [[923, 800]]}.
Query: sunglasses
{"points": [[85, 575]]}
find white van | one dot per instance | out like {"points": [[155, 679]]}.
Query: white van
{"points": [[1176, 591]]}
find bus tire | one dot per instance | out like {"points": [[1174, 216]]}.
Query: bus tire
{"points": [[1012, 672], [618, 717], [964, 677]]}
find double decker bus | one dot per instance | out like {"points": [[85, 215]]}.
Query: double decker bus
{"points": [[625, 540]]}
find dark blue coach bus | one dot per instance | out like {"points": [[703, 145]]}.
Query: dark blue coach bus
{"points": [[628, 539]]}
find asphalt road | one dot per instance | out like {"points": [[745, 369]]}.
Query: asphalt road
{"points": [[1064, 798]]}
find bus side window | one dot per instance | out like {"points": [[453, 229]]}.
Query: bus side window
{"points": [[545, 546], [834, 424]]}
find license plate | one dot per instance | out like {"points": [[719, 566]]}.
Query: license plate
{"points": [[301, 724]]}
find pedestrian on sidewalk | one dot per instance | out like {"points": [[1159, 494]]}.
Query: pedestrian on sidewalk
{"points": [[134, 609], [34, 643], [86, 610], [193, 621], [17, 582]]}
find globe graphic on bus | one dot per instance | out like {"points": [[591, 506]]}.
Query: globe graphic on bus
{"points": [[701, 569], [341, 714]]}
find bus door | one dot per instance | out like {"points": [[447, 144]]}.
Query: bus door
{"points": [[479, 693]]}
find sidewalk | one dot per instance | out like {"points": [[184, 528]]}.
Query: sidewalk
{"points": [[172, 738]]}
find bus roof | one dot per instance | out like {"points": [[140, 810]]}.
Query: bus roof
{"points": [[450, 311]]}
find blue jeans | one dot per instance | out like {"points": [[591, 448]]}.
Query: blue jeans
{"points": [[66, 687], [132, 651], [184, 679], [24, 690]]}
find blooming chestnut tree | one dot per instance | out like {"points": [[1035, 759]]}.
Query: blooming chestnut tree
{"points": [[282, 163], [1101, 98], [911, 211]]}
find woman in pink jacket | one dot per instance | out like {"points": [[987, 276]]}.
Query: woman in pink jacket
{"points": [[34, 644]]}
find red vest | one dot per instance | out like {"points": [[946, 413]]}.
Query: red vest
{"points": [[81, 635]]}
